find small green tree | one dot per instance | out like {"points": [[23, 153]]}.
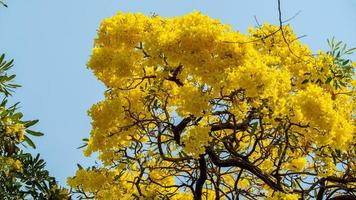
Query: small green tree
{"points": [[22, 176]]}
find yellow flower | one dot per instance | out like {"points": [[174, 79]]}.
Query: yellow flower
{"points": [[243, 184], [18, 165], [298, 164], [196, 140]]}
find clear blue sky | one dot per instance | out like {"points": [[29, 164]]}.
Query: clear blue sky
{"points": [[51, 41]]}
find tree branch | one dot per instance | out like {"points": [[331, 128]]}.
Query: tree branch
{"points": [[202, 178], [244, 164]]}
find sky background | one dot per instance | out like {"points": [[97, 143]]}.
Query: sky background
{"points": [[51, 41]]}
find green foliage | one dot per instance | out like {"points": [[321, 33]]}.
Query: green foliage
{"points": [[342, 73], [22, 176], [32, 181], [5, 80]]}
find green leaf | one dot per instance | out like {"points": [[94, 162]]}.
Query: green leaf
{"points": [[305, 81], [84, 145], [7, 65], [79, 166], [344, 47], [36, 158], [2, 58], [4, 113], [315, 193], [3, 102], [17, 116], [294, 184], [29, 142], [338, 45], [34, 133], [14, 85], [350, 51], [254, 127], [345, 62], [342, 83], [11, 77], [31, 123], [328, 80], [336, 85]]}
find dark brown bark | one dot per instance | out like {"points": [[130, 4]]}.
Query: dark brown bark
{"points": [[344, 197], [244, 164], [202, 178]]}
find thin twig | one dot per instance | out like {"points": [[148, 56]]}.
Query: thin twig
{"points": [[257, 22], [291, 18], [2, 3]]}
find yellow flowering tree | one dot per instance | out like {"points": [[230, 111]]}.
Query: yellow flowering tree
{"points": [[196, 110]]}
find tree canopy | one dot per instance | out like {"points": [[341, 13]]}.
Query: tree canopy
{"points": [[197, 110]]}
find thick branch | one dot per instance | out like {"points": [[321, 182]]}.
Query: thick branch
{"points": [[202, 178], [321, 190], [244, 164], [344, 197], [218, 127], [341, 180], [177, 130]]}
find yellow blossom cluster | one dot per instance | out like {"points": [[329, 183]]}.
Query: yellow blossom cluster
{"points": [[17, 130], [315, 108], [196, 139], [298, 164], [9, 164], [283, 196]]}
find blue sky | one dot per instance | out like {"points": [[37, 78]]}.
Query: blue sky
{"points": [[51, 41]]}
